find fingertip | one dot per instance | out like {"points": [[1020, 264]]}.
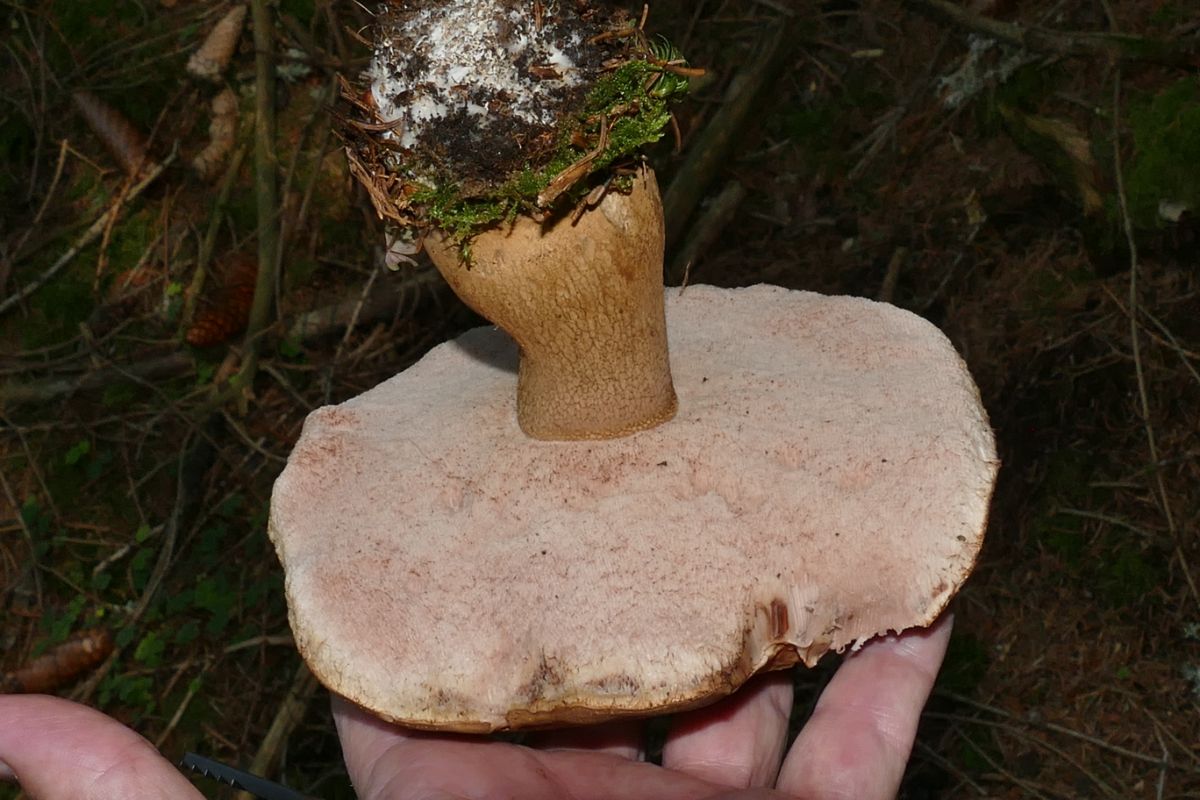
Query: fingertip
{"points": [[737, 742], [62, 749], [622, 738], [859, 738], [6, 773]]}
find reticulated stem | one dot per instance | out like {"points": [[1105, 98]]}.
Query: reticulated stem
{"points": [[584, 301]]}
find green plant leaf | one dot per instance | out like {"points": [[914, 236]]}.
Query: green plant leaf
{"points": [[187, 633], [125, 636], [77, 452], [150, 650]]}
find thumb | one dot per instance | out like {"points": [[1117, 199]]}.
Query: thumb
{"points": [[59, 750]]}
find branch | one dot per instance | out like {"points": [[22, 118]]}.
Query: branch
{"points": [[710, 153], [289, 716], [266, 190], [710, 224], [209, 244], [15, 394], [349, 311], [1084, 44], [89, 236]]}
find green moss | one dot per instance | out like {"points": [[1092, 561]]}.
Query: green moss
{"points": [[130, 241], [633, 103], [628, 135], [461, 216], [1165, 165]]}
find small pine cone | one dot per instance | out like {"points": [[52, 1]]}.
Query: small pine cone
{"points": [[242, 272], [230, 310], [208, 62], [212, 327], [62, 664], [222, 135], [121, 137]]}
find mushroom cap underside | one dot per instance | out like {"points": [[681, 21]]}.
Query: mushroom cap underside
{"points": [[826, 480]]}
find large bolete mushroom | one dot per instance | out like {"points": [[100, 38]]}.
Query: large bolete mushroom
{"points": [[626, 533]]}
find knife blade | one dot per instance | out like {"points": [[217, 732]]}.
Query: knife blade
{"points": [[259, 787]]}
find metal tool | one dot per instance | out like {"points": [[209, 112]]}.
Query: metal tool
{"points": [[259, 787]]}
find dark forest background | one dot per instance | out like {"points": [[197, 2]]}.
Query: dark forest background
{"points": [[1024, 175]]}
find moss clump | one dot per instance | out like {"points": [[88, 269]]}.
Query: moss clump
{"points": [[460, 216], [632, 106], [1166, 160], [591, 144]]}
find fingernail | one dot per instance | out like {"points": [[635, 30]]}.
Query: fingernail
{"points": [[6, 773]]}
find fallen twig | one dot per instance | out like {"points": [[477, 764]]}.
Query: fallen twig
{"points": [[192, 691], [6, 266], [88, 236], [358, 307], [14, 394], [1052, 727], [706, 230], [1024, 736], [1114, 46], [710, 152], [209, 243], [291, 712], [195, 457], [1135, 340], [309, 326], [1029, 788], [266, 167]]}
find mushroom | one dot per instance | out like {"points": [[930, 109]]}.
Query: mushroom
{"points": [[634, 533], [584, 301]]}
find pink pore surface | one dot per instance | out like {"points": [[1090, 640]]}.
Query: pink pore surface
{"points": [[826, 479]]}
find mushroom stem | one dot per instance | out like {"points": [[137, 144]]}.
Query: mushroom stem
{"points": [[584, 301]]}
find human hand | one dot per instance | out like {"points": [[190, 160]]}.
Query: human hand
{"points": [[855, 746]]}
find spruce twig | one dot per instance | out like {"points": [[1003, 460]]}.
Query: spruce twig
{"points": [[266, 190]]}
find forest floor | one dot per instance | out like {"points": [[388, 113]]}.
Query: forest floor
{"points": [[1026, 176]]}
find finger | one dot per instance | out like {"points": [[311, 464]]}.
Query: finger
{"points": [[623, 739], [60, 750], [858, 741], [738, 742], [386, 762]]}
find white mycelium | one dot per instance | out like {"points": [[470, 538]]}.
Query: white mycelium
{"points": [[481, 57]]}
